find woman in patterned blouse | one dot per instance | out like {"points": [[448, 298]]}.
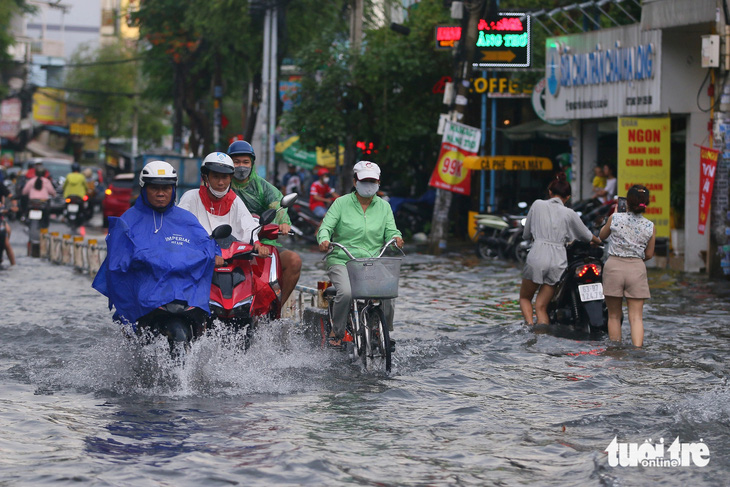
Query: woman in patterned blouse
{"points": [[624, 274]]}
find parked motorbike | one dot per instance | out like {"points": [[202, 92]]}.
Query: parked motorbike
{"points": [[501, 236], [578, 301], [246, 288], [37, 219], [304, 222], [595, 218], [75, 210], [413, 215]]}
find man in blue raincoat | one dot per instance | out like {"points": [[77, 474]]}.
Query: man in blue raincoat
{"points": [[157, 253]]}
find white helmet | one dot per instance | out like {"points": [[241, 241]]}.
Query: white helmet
{"points": [[158, 172], [217, 162]]}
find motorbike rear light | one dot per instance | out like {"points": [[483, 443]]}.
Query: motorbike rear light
{"points": [[108, 191], [86, 197], [582, 271], [68, 200]]}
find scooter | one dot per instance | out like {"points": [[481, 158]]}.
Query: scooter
{"points": [[37, 219], [75, 210], [305, 222], [501, 236], [246, 290], [578, 301], [176, 321]]}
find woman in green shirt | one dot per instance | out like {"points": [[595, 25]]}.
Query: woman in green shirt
{"points": [[362, 222]]}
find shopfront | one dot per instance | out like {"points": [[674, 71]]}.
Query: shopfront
{"points": [[629, 74]]}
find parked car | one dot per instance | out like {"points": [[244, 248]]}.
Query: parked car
{"points": [[119, 195]]}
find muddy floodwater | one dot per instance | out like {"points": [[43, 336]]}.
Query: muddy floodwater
{"points": [[475, 398]]}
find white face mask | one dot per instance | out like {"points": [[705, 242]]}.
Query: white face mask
{"points": [[218, 194], [365, 189]]}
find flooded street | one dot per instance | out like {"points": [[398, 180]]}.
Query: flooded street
{"points": [[475, 398]]}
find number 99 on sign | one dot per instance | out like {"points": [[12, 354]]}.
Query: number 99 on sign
{"points": [[452, 171]]}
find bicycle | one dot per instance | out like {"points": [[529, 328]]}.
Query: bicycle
{"points": [[372, 280]]}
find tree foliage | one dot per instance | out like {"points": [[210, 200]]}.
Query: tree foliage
{"points": [[9, 9], [192, 45], [99, 82], [382, 94]]}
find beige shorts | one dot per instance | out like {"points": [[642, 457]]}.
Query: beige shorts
{"points": [[625, 277]]}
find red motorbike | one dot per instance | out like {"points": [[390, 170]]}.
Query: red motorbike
{"points": [[246, 290]]}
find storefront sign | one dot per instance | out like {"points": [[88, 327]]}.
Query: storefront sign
{"points": [[80, 128], [610, 72], [458, 142], [447, 36], [49, 107], [644, 158], [538, 103], [708, 165], [508, 163], [504, 43], [501, 87], [10, 113]]}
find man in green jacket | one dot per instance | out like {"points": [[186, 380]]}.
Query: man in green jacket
{"points": [[259, 195], [362, 222]]}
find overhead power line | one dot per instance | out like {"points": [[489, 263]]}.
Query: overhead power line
{"points": [[98, 92]]}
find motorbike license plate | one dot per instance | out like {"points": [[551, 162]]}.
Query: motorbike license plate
{"points": [[35, 214], [591, 292], [73, 208]]}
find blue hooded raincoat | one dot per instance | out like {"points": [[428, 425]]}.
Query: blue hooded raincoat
{"points": [[155, 258]]}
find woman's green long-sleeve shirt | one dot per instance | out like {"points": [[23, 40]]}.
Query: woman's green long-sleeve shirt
{"points": [[363, 233]]}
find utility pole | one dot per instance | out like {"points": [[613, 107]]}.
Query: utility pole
{"points": [[465, 53], [273, 92], [356, 20]]}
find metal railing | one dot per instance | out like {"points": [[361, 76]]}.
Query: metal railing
{"points": [[84, 255]]}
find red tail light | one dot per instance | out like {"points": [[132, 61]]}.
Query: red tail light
{"points": [[68, 200], [581, 271], [86, 197]]}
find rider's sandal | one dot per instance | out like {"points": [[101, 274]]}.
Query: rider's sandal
{"points": [[334, 342]]}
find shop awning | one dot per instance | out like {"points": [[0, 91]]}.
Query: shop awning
{"points": [[538, 128], [39, 149], [293, 153]]}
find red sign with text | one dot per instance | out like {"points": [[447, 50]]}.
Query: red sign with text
{"points": [[458, 141], [708, 165]]}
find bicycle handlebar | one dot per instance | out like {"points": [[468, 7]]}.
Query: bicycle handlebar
{"points": [[352, 257]]}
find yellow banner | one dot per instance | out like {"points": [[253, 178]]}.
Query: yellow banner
{"points": [[87, 129], [49, 107], [508, 163], [644, 158]]}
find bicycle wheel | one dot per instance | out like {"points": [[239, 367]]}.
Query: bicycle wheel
{"points": [[379, 349], [358, 336]]}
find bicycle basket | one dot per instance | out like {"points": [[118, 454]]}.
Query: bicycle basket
{"points": [[374, 278]]}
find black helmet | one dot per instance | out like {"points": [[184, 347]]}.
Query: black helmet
{"points": [[241, 147]]}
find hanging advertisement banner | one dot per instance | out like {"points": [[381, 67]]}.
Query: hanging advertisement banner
{"points": [[458, 141], [644, 158], [10, 113], [49, 107], [708, 165]]}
